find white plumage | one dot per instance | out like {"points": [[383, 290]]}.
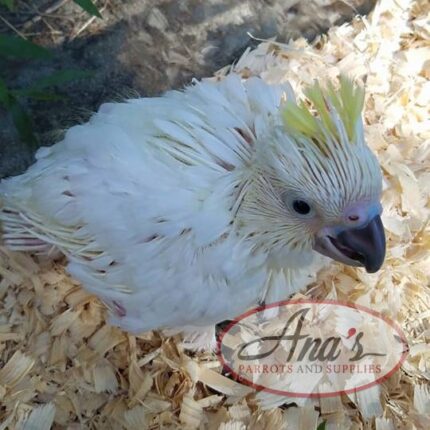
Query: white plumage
{"points": [[169, 208]]}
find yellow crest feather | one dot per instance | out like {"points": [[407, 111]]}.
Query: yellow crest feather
{"points": [[316, 118]]}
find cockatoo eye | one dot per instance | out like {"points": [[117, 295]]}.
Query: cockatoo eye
{"points": [[297, 205], [301, 207]]}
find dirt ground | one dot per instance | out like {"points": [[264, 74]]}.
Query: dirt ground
{"points": [[141, 47]]}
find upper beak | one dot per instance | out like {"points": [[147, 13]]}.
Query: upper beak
{"points": [[364, 246]]}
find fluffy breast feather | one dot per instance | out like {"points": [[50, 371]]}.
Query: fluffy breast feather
{"points": [[140, 199]]}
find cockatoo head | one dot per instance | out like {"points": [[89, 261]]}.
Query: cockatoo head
{"points": [[316, 184]]}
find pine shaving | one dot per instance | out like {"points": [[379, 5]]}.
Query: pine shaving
{"points": [[62, 366]]}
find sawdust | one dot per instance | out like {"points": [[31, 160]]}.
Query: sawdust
{"points": [[63, 367]]}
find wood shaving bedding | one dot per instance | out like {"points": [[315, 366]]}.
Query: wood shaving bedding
{"points": [[62, 367]]}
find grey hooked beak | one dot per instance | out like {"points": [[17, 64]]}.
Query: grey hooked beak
{"points": [[364, 246]]}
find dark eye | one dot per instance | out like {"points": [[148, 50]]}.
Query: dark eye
{"points": [[301, 207]]}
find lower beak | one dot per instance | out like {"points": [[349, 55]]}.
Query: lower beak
{"points": [[363, 246]]}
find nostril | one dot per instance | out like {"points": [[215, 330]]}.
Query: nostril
{"points": [[353, 217]]}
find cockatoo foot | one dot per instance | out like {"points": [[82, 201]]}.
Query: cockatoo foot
{"points": [[203, 339], [196, 338]]}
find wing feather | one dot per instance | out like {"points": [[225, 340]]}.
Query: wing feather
{"points": [[142, 198]]}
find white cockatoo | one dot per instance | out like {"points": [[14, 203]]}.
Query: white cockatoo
{"points": [[187, 209]]}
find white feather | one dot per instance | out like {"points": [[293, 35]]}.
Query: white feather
{"points": [[143, 199]]}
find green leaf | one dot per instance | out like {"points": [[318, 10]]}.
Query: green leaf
{"points": [[4, 94], [322, 426], [61, 77], [11, 46], [89, 7], [22, 122], [37, 95], [8, 3]]}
